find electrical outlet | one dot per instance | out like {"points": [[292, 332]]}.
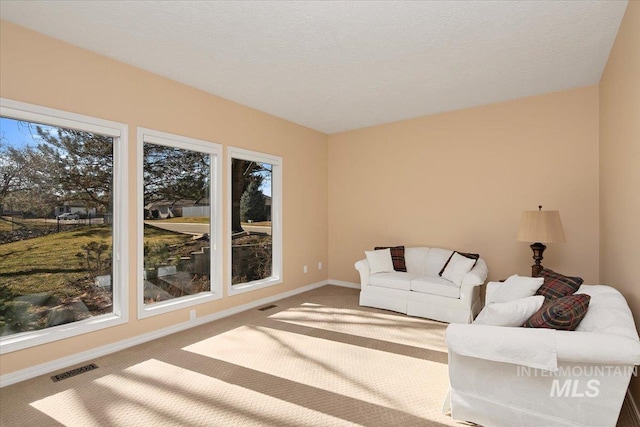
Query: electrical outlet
{"points": [[304, 269], [192, 315], [319, 266]]}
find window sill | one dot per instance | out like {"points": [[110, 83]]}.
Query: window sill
{"points": [[28, 339], [252, 286], [176, 304]]}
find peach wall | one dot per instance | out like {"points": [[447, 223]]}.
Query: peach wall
{"points": [[43, 71], [620, 166], [460, 180]]}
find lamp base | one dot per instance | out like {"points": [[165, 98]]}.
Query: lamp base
{"points": [[538, 249]]}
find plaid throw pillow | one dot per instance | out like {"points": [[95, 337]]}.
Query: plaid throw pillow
{"points": [[562, 313], [464, 254], [557, 285], [397, 256]]}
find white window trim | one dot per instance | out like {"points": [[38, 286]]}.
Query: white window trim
{"points": [[215, 198], [276, 219], [119, 133]]}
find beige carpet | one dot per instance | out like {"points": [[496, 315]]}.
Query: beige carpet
{"points": [[317, 359]]}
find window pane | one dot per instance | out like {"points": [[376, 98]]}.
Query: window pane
{"points": [[251, 234], [177, 222], [56, 235]]}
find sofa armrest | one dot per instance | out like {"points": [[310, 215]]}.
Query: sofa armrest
{"points": [[467, 292], [521, 346], [541, 348], [477, 275], [363, 268], [597, 348]]}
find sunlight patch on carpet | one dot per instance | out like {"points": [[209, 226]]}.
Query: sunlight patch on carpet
{"points": [[395, 328], [160, 394], [379, 377]]}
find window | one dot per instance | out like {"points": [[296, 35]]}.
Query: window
{"points": [[180, 222], [255, 203], [62, 204]]}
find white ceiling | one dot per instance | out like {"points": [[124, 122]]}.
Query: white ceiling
{"points": [[334, 65]]}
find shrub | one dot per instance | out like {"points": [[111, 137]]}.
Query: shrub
{"points": [[252, 204]]}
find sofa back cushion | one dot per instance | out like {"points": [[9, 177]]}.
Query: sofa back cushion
{"points": [[424, 261], [416, 259], [436, 260]]}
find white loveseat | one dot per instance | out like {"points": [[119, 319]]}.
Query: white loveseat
{"points": [[514, 376], [420, 291]]}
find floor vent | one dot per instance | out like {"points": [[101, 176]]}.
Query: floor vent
{"points": [[74, 372], [267, 307]]}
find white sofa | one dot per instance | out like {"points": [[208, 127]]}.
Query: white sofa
{"points": [[421, 291], [514, 376]]}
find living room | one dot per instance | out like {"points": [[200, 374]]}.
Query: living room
{"points": [[456, 179]]}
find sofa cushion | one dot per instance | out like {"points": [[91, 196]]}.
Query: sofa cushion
{"points": [[516, 287], [436, 260], [457, 266], [436, 286], [557, 285], [511, 313], [397, 256], [563, 313], [379, 261], [393, 280], [416, 260]]}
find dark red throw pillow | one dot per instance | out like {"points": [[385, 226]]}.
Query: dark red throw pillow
{"points": [[557, 285], [397, 256], [563, 313]]}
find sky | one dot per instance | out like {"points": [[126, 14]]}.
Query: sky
{"points": [[16, 133]]}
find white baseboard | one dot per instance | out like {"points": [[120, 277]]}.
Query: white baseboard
{"points": [[343, 283], [65, 362], [634, 410]]}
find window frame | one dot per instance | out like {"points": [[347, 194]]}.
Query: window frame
{"points": [[276, 219], [120, 297], [215, 200]]}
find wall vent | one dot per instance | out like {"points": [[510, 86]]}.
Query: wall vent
{"points": [[74, 372], [267, 307]]}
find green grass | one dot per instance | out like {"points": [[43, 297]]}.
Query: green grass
{"points": [[49, 263]]}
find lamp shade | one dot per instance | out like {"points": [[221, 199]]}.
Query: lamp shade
{"points": [[541, 226]]}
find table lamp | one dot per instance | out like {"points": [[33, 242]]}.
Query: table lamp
{"points": [[540, 227]]}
